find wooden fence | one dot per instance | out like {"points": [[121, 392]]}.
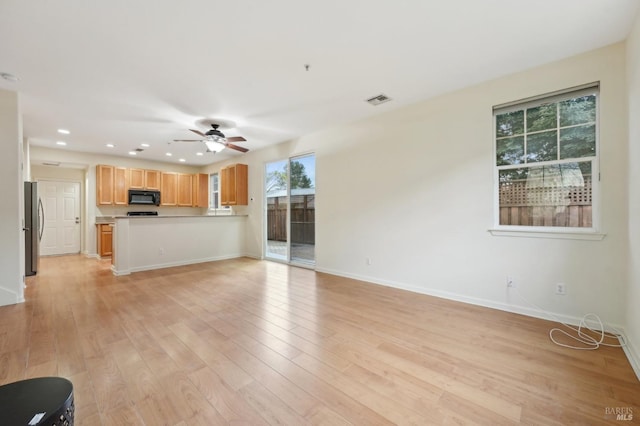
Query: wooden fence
{"points": [[523, 202], [303, 215]]}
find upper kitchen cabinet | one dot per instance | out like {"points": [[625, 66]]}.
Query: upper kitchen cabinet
{"points": [[120, 186], [201, 190], [169, 189], [234, 185], [144, 179], [111, 185], [104, 185], [185, 190]]}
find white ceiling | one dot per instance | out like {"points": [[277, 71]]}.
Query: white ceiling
{"points": [[131, 72]]}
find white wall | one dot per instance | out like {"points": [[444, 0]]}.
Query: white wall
{"points": [[12, 210], [413, 190], [633, 293]]}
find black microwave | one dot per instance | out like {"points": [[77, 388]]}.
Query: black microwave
{"points": [[144, 197]]}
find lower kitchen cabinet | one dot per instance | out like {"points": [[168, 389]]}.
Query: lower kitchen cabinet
{"points": [[105, 239]]}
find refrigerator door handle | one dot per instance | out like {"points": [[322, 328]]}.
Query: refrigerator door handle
{"points": [[40, 219]]}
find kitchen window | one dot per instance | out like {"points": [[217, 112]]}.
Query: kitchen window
{"points": [[214, 200], [546, 163]]}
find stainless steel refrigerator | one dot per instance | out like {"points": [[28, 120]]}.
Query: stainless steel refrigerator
{"points": [[33, 226]]}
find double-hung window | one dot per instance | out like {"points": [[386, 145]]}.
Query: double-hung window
{"points": [[547, 162]]}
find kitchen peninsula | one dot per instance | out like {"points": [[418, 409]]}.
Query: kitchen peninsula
{"points": [[152, 241], [143, 243]]}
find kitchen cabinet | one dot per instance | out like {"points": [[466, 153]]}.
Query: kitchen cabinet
{"points": [[234, 185], [144, 179], [120, 186], [201, 190], [104, 185], [169, 189], [105, 239], [185, 190], [111, 185]]}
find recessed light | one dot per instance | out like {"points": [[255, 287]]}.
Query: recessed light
{"points": [[61, 143], [199, 154], [110, 145], [9, 77], [145, 145], [64, 131], [168, 154], [132, 153], [182, 160]]}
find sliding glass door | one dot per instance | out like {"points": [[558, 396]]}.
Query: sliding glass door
{"points": [[277, 198], [290, 210]]}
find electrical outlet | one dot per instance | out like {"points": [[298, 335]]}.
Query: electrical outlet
{"points": [[161, 252], [510, 282], [561, 289], [368, 261]]}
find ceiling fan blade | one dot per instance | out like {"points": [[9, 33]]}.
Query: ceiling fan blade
{"points": [[236, 139], [199, 133], [236, 147], [187, 140]]}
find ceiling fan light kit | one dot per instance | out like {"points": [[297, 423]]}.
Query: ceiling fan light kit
{"points": [[214, 145]]}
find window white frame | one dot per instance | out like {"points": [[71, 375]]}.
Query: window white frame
{"points": [[214, 189], [592, 232]]}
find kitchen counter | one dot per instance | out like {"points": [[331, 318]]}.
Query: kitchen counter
{"points": [[105, 219], [177, 216], [112, 219]]}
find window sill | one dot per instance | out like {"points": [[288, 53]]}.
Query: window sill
{"points": [[561, 235]]}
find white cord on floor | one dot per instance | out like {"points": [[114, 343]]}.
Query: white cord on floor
{"points": [[591, 343]]}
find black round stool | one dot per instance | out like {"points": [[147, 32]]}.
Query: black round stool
{"points": [[41, 401]]}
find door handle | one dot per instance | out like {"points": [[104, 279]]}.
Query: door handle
{"points": [[77, 220], [26, 229], [40, 219]]}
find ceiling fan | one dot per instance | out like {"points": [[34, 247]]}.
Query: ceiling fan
{"points": [[215, 140]]}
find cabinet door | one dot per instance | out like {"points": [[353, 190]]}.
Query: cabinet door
{"points": [[201, 190], [224, 187], [231, 186], [152, 180], [185, 190], [120, 186], [106, 240], [169, 189], [242, 184], [104, 185], [234, 185], [136, 178]]}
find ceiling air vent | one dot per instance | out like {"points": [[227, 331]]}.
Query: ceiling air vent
{"points": [[380, 99], [54, 164], [139, 149]]}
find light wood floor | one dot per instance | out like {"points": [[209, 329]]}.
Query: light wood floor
{"points": [[254, 342]]}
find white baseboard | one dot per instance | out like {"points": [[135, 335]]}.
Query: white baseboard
{"points": [[632, 353], [629, 349], [173, 264], [9, 297]]}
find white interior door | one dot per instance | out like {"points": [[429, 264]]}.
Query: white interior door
{"points": [[61, 205]]}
